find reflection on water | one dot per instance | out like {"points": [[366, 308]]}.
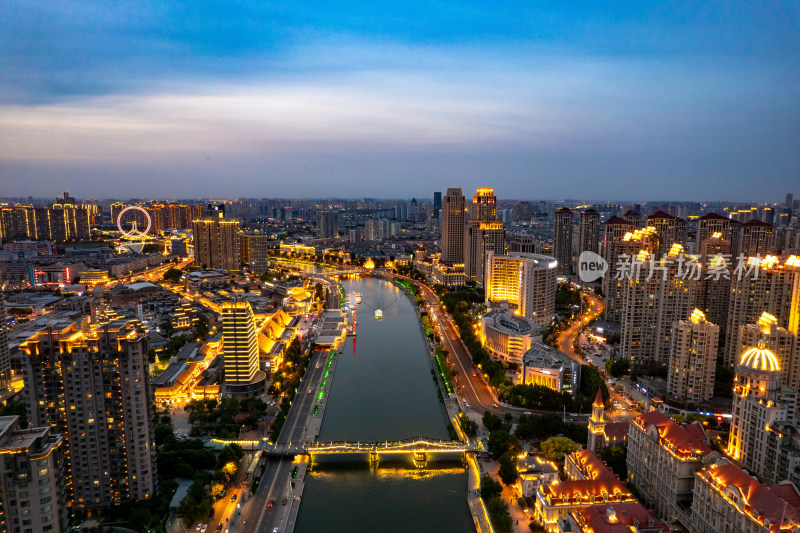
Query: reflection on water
{"points": [[383, 389]]}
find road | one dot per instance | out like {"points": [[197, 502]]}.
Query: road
{"points": [[275, 484], [567, 338]]}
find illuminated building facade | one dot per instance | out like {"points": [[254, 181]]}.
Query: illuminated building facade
{"points": [[505, 336], [728, 500], [562, 241], [711, 224], [526, 281], [453, 227], [216, 243], [779, 341], [663, 458], [240, 345], [590, 483], [32, 490], [533, 472], [544, 365], [5, 356], [627, 517], [767, 284], [589, 231], [327, 224], [255, 249], [669, 230], [597, 425], [693, 359], [484, 234], [60, 222], [754, 239], [90, 383], [653, 299], [759, 403]]}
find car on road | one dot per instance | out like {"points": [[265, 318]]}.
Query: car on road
{"points": [[283, 502], [203, 528], [309, 391], [527, 413], [219, 528], [494, 405], [233, 498], [271, 503], [275, 530]]}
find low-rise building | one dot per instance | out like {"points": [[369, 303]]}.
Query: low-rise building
{"points": [[728, 500], [590, 483], [546, 366], [505, 336], [534, 471], [626, 517], [663, 457]]}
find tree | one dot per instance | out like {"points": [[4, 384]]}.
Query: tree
{"points": [[498, 512], [173, 275], [508, 468], [500, 442], [555, 448], [491, 421], [490, 488], [201, 329], [616, 459], [469, 427]]}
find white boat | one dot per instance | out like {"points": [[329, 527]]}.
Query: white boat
{"points": [[358, 297], [378, 314]]}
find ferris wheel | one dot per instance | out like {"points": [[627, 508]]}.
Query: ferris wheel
{"points": [[134, 232]]}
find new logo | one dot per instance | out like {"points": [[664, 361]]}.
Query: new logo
{"points": [[591, 266]]}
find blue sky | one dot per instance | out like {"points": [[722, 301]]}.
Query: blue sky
{"points": [[597, 100]]}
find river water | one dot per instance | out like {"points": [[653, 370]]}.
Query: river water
{"points": [[383, 389]]}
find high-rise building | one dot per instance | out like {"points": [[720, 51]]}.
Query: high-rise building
{"points": [[614, 245], [453, 227], [589, 231], [669, 230], [240, 346], [5, 356], [779, 341], [484, 234], [765, 284], [758, 402], [755, 239], [327, 224], [693, 359], [254, 251], [653, 299], [437, 203], [562, 241], [33, 494], [90, 384], [216, 243], [710, 225], [634, 218], [526, 281]]}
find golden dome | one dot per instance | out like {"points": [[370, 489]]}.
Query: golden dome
{"points": [[760, 358]]}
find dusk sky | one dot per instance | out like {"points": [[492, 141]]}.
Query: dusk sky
{"points": [[637, 101]]}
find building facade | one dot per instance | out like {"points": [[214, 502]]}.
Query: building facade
{"points": [[693, 359], [562, 241], [90, 383], [526, 281], [506, 336], [216, 243], [453, 224]]}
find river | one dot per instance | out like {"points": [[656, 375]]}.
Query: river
{"points": [[383, 389]]}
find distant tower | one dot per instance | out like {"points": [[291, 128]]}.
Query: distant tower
{"points": [[613, 246], [5, 357], [588, 231], [327, 224], [437, 203], [562, 241], [597, 425], [453, 226]]}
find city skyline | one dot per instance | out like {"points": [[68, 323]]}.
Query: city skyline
{"points": [[543, 101]]}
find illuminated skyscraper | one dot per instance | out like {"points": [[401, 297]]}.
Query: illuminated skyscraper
{"points": [[5, 357], [709, 225], [437, 203], [526, 281], [669, 230], [453, 227], [693, 359], [562, 241], [758, 402], [484, 234], [755, 239], [327, 224], [240, 346], [777, 340]]}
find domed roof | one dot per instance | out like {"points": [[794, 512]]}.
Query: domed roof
{"points": [[760, 358]]}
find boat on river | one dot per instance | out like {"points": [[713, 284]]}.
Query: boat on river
{"points": [[378, 314]]}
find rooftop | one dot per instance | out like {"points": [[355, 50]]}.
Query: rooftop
{"points": [[688, 441]]}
